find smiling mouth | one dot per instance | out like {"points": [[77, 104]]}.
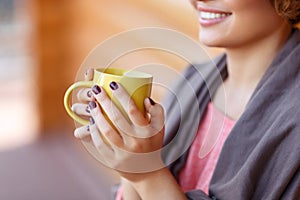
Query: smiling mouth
{"points": [[212, 15]]}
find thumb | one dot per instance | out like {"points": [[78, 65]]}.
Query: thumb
{"points": [[89, 74]]}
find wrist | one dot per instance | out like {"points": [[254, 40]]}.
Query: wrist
{"points": [[159, 184], [149, 166], [128, 191]]}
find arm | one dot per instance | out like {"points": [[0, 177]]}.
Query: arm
{"points": [[128, 191]]}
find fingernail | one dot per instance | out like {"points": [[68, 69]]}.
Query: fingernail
{"points": [[88, 128], [96, 89], [89, 94], [87, 72], [151, 101], [92, 121], [113, 85], [87, 109], [92, 105]]}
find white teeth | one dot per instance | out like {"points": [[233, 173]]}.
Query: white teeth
{"points": [[210, 15]]}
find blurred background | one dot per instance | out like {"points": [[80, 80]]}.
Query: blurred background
{"points": [[42, 45]]}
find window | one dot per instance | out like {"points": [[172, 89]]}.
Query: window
{"points": [[18, 120]]}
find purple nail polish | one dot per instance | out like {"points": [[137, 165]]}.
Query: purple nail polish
{"points": [[87, 109], [89, 94], [113, 85], [86, 72], [151, 101], [96, 89], [92, 121], [88, 128], [92, 105]]}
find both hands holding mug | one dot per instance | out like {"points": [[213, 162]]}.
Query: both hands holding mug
{"points": [[127, 137], [120, 131]]}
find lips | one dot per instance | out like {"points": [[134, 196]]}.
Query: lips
{"points": [[210, 16]]}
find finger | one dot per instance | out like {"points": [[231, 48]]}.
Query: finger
{"points": [[156, 112], [89, 74], [111, 110], [82, 132], [134, 114], [81, 109], [110, 134], [99, 143], [85, 95]]}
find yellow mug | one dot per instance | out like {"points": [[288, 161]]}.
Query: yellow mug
{"points": [[137, 84]]}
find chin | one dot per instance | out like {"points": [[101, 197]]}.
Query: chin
{"points": [[211, 41]]}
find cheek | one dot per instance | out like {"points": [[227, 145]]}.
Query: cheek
{"points": [[251, 9], [257, 18], [250, 21], [253, 19]]}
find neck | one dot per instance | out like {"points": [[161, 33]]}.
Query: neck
{"points": [[247, 64]]}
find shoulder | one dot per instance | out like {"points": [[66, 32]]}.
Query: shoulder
{"points": [[206, 68]]}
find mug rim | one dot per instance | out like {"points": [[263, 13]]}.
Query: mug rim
{"points": [[124, 72]]}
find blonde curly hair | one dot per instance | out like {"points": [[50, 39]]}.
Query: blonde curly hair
{"points": [[288, 9]]}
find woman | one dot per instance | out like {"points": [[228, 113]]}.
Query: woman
{"points": [[255, 155]]}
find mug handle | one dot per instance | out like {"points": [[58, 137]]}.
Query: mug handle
{"points": [[68, 93]]}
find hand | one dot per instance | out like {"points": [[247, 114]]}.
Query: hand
{"points": [[130, 144], [81, 108]]}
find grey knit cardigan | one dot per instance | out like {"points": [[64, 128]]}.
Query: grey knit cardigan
{"points": [[261, 157]]}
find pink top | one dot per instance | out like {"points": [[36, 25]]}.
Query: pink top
{"points": [[205, 150], [119, 194]]}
